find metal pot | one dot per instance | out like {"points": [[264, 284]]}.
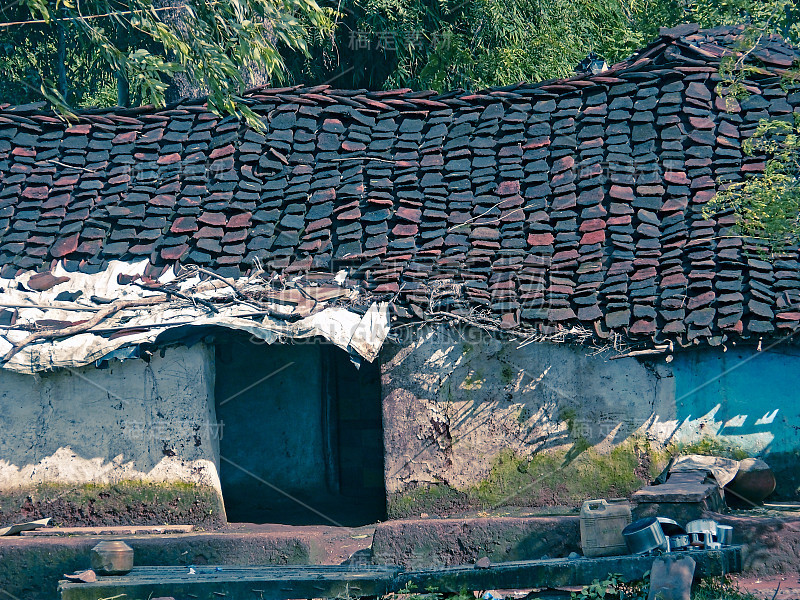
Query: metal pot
{"points": [[702, 526], [112, 558], [644, 535], [702, 532], [670, 527], [725, 535], [679, 542]]}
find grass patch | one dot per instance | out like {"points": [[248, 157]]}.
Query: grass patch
{"points": [[559, 477], [612, 588], [549, 478], [710, 446], [431, 499]]}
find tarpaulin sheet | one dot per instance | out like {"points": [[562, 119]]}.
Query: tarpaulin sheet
{"points": [[361, 334]]}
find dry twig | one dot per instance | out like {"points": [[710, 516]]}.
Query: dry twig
{"points": [[101, 315]]}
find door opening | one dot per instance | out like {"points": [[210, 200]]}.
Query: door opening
{"points": [[301, 434]]}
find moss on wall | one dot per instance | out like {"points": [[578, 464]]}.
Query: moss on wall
{"points": [[549, 478], [123, 503], [710, 446]]}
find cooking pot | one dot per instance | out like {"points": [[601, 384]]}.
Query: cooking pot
{"points": [[112, 558], [679, 542], [670, 527], [644, 535], [702, 526], [702, 532], [725, 535]]}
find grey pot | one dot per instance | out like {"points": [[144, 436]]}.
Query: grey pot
{"points": [[112, 558], [644, 535]]}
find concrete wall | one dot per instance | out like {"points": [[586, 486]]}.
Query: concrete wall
{"points": [[457, 401], [746, 399], [134, 421], [276, 432]]}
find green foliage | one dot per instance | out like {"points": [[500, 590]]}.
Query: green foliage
{"points": [[768, 205], [433, 594], [614, 587], [209, 41], [377, 44], [719, 588], [444, 44], [28, 60], [780, 16]]}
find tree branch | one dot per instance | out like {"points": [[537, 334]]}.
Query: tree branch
{"points": [[101, 315]]}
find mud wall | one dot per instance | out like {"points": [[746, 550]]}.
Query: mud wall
{"points": [[454, 400], [467, 412], [143, 431]]}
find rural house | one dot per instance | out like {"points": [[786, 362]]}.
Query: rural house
{"points": [[386, 303]]}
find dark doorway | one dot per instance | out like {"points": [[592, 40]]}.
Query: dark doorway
{"points": [[302, 437]]}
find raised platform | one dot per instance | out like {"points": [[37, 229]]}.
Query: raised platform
{"points": [[110, 530], [686, 496], [30, 567], [281, 583]]}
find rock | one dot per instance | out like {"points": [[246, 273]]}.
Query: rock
{"points": [[671, 579], [483, 563], [87, 576], [754, 481]]}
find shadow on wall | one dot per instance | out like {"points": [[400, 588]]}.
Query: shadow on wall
{"points": [[455, 399], [746, 399], [461, 406], [134, 443]]}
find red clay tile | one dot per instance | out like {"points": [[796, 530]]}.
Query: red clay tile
{"points": [[540, 239], [240, 220], [169, 159], [209, 232], [174, 252], [184, 225], [64, 246], [213, 218]]}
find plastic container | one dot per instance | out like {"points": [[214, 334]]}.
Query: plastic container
{"points": [[602, 522]]}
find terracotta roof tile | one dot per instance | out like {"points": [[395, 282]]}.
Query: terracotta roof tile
{"points": [[571, 202]]}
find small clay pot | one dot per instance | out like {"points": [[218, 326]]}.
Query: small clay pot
{"points": [[112, 558]]}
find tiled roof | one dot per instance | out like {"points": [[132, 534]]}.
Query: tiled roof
{"points": [[569, 202]]}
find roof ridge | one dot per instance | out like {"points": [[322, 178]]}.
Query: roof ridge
{"points": [[686, 36]]}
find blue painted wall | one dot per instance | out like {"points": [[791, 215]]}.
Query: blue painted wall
{"points": [[747, 397]]}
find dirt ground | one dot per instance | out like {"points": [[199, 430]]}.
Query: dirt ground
{"points": [[787, 586]]}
